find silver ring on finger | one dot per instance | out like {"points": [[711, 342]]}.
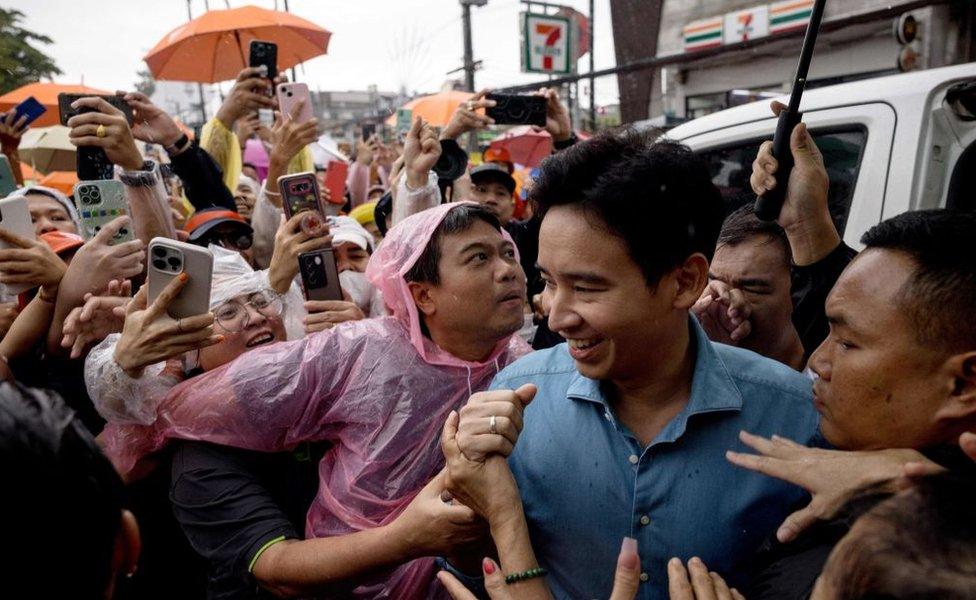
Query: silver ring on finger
{"points": [[493, 425]]}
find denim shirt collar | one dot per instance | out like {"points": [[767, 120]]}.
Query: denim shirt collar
{"points": [[712, 388]]}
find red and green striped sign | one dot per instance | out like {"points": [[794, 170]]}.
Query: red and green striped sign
{"points": [[706, 33], [790, 14]]}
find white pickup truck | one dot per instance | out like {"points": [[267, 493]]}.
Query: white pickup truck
{"points": [[891, 144]]}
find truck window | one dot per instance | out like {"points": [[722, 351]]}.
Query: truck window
{"points": [[962, 184], [731, 167]]}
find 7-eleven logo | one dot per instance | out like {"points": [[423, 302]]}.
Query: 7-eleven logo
{"points": [[553, 33]]}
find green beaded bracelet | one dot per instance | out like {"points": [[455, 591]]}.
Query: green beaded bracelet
{"points": [[524, 575]]}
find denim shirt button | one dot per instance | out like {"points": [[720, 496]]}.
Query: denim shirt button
{"points": [[645, 520], [644, 576], [634, 459]]}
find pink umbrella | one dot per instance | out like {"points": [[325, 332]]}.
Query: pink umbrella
{"points": [[525, 145]]}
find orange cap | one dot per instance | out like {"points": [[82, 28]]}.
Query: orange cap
{"points": [[61, 242], [499, 155]]}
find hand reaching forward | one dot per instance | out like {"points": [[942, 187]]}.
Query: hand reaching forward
{"points": [[831, 476]]}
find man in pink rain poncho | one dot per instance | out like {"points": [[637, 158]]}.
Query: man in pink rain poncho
{"points": [[379, 390]]}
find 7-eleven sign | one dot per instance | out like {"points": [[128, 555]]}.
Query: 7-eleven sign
{"points": [[546, 44]]}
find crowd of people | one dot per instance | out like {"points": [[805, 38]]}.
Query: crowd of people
{"points": [[619, 389]]}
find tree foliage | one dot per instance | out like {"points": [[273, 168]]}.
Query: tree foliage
{"points": [[21, 62]]}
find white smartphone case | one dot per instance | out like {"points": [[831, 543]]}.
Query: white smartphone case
{"points": [[168, 259], [15, 218]]}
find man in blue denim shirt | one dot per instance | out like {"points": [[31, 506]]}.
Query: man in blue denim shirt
{"points": [[627, 434]]}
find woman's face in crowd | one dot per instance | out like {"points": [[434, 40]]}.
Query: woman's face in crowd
{"points": [[48, 214], [350, 257], [263, 327], [244, 198], [599, 298], [877, 386]]}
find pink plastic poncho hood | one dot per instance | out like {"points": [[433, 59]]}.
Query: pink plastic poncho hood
{"points": [[376, 389], [398, 253]]}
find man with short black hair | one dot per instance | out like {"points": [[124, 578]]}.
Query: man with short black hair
{"points": [[747, 301], [627, 432], [897, 370], [62, 503], [492, 186], [378, 391]]}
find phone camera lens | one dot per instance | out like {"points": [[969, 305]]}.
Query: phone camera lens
{"points": [[174, 262], [159, 264], [159, 251], [123, 231], [290, 94]]}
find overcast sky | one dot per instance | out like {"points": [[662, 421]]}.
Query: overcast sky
{"points": [[389, 43]]}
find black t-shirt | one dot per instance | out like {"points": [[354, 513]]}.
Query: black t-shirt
{"points": [[810, 286], [231, 503]]}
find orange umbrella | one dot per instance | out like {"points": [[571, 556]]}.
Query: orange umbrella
{"points": [[63, 181], [28, 173], [46, 94], [216, 45], [436, 109]]}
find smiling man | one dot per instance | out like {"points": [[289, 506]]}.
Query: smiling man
{"points": [[627, 432]]}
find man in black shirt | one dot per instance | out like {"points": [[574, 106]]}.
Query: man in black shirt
{"points": [[233, 504], [896, 370]]}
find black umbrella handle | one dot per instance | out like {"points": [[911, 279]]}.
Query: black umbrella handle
{"points": [[769, 204]]}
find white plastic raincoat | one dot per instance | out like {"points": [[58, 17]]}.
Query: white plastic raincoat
{"points": [[123, 399]]}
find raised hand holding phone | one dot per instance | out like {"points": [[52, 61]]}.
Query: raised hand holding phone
{"points": [[151, 335]]}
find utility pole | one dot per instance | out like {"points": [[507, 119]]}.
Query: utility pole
{"points": [[592, 78], [469, 65], [203, 107]]}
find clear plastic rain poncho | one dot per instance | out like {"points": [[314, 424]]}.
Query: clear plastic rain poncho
{"points": [[123, 399], [377, 389]]}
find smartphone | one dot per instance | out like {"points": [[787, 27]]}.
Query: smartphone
{"points": [[320, 276], [65, 100], [167, 259], [15, 218], [369, 130], [511, 109], [289, 95], [264, 53], [266, 117], [92, 162], [300, 192], [404, 120], [99, 202], [8, 184], [30, 108], [336, 174]]}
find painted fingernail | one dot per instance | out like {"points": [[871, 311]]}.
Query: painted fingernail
{"points": [[184, 277], [220, 338], [488, 566]]}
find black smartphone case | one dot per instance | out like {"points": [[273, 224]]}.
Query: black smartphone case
{"points": [[320, 278], [264, 53], [517, 110]]}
